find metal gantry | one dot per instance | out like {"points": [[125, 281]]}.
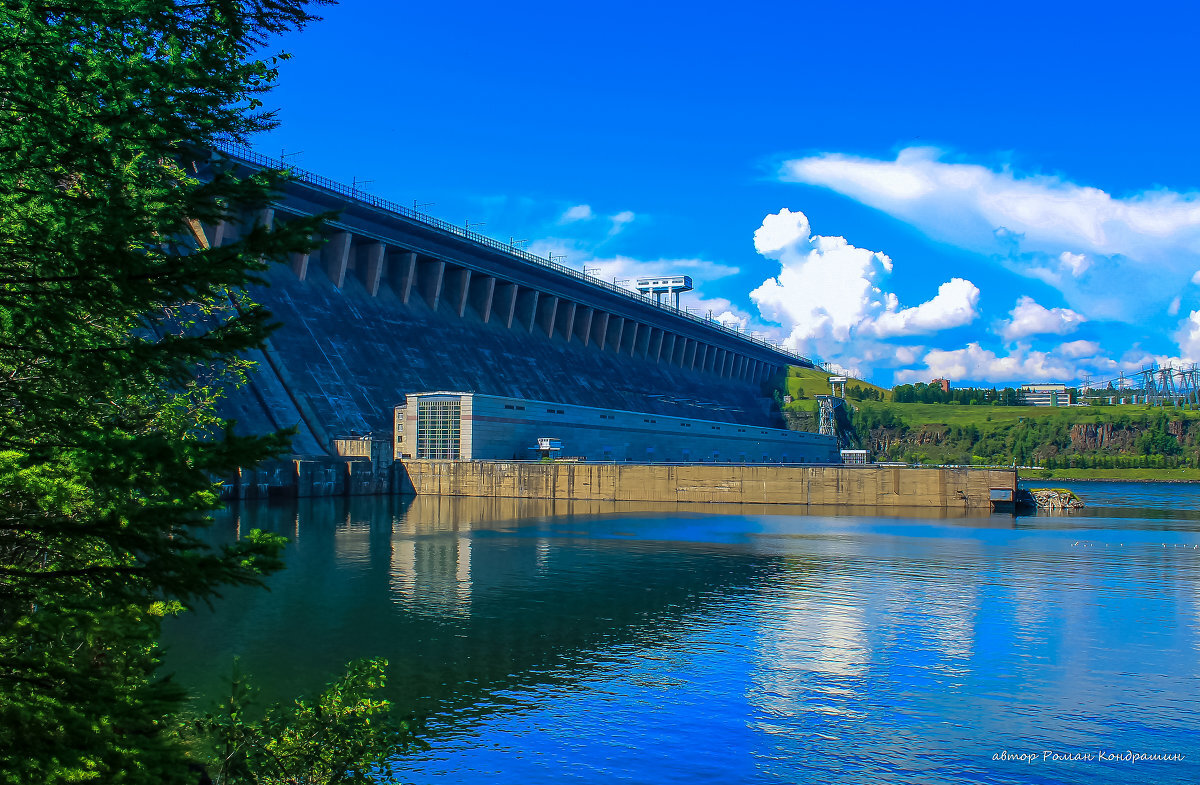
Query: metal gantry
{"points": [[1168, 386], [1157, 385]]}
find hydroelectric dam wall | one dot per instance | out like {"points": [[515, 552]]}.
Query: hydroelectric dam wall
{"points": [[395, 302], [865, 486]]}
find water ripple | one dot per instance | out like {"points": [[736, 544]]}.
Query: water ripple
{"points": [[667, 647]]}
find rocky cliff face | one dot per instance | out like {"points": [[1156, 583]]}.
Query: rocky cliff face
{"points": [[801, 421], [1086, 437], [880, 440]]}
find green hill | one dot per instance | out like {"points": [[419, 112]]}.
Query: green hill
{"points": [[1104, 440], [804, 383]]}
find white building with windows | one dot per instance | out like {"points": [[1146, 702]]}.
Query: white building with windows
{"points": [[471, 426], [1046, 394]]}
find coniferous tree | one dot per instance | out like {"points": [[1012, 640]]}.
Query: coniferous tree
{"points": [[119, 330]]}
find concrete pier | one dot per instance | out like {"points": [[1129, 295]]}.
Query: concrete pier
{"points": [[873, 486]]}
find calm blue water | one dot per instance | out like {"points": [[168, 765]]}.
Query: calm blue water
{"points": [[741, 645]]}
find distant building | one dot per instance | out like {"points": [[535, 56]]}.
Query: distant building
{"points": [[472, 426], [856, 457], [1046, 394], [943, 383]]}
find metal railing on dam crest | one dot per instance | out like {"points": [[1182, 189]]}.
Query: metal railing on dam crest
{"points": [[250, 156]]}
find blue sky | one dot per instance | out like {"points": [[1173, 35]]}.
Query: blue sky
{"points": [[996, 194]]}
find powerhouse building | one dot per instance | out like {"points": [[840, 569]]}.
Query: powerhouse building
{"points": [[472, 426]]}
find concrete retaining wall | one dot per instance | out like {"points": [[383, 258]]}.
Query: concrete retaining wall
{"points": [[315, 477], [876, 486]]}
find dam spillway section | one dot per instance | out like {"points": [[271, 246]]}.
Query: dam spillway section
{"points": [[395, 302]]}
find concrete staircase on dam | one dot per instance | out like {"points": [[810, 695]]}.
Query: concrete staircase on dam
{"points": [[392, 305]]}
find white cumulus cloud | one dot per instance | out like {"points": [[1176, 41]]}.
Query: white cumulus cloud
{"points": [[1074, 263], [1075, 237], [580, 212], [974, 363], [1188, 335], [1077, 349], [620, 220], [829, 294], [1030, 318], [953, 306]]}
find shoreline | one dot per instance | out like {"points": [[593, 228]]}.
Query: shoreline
{"points": [[1164, 480]]}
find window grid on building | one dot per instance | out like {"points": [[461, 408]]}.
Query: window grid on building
{"points": [[439, 429]]}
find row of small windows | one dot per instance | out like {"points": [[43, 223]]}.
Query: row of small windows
{"points": [[555, 411], [510, 406]]}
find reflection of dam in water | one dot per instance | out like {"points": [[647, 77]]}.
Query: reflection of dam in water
{"points": [[604, 642], [458, 594]]}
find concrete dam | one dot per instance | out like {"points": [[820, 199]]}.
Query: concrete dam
{"points": [[395, 302]]}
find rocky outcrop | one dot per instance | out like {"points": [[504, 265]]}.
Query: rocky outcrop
{"points": [[1055, 499], [929, 434], [1086, 437], [801, 421], [880, 440]]}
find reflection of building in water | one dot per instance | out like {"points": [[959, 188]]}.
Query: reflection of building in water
{"points": [[949, 608], [350, 545], [403, 574], [432, 575], [812, 647], [822, 637]]}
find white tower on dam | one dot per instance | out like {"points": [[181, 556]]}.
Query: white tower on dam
{"points": [[670, 284]]}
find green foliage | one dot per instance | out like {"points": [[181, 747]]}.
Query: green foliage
{"points": [[345, 736], [857, 392], [1178, 474], [118, 335], [970, 396], [803, 383], [867, 418], [1135, 437]]}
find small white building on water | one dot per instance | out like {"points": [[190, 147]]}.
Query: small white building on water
{"points": [[471, 426]]}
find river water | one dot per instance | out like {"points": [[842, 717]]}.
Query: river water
{"points": [[748, 644]]}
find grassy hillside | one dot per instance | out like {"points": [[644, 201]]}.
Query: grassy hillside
{"points": [[917, 414], [809, 382], [1080, 441], [1182, 474]]}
